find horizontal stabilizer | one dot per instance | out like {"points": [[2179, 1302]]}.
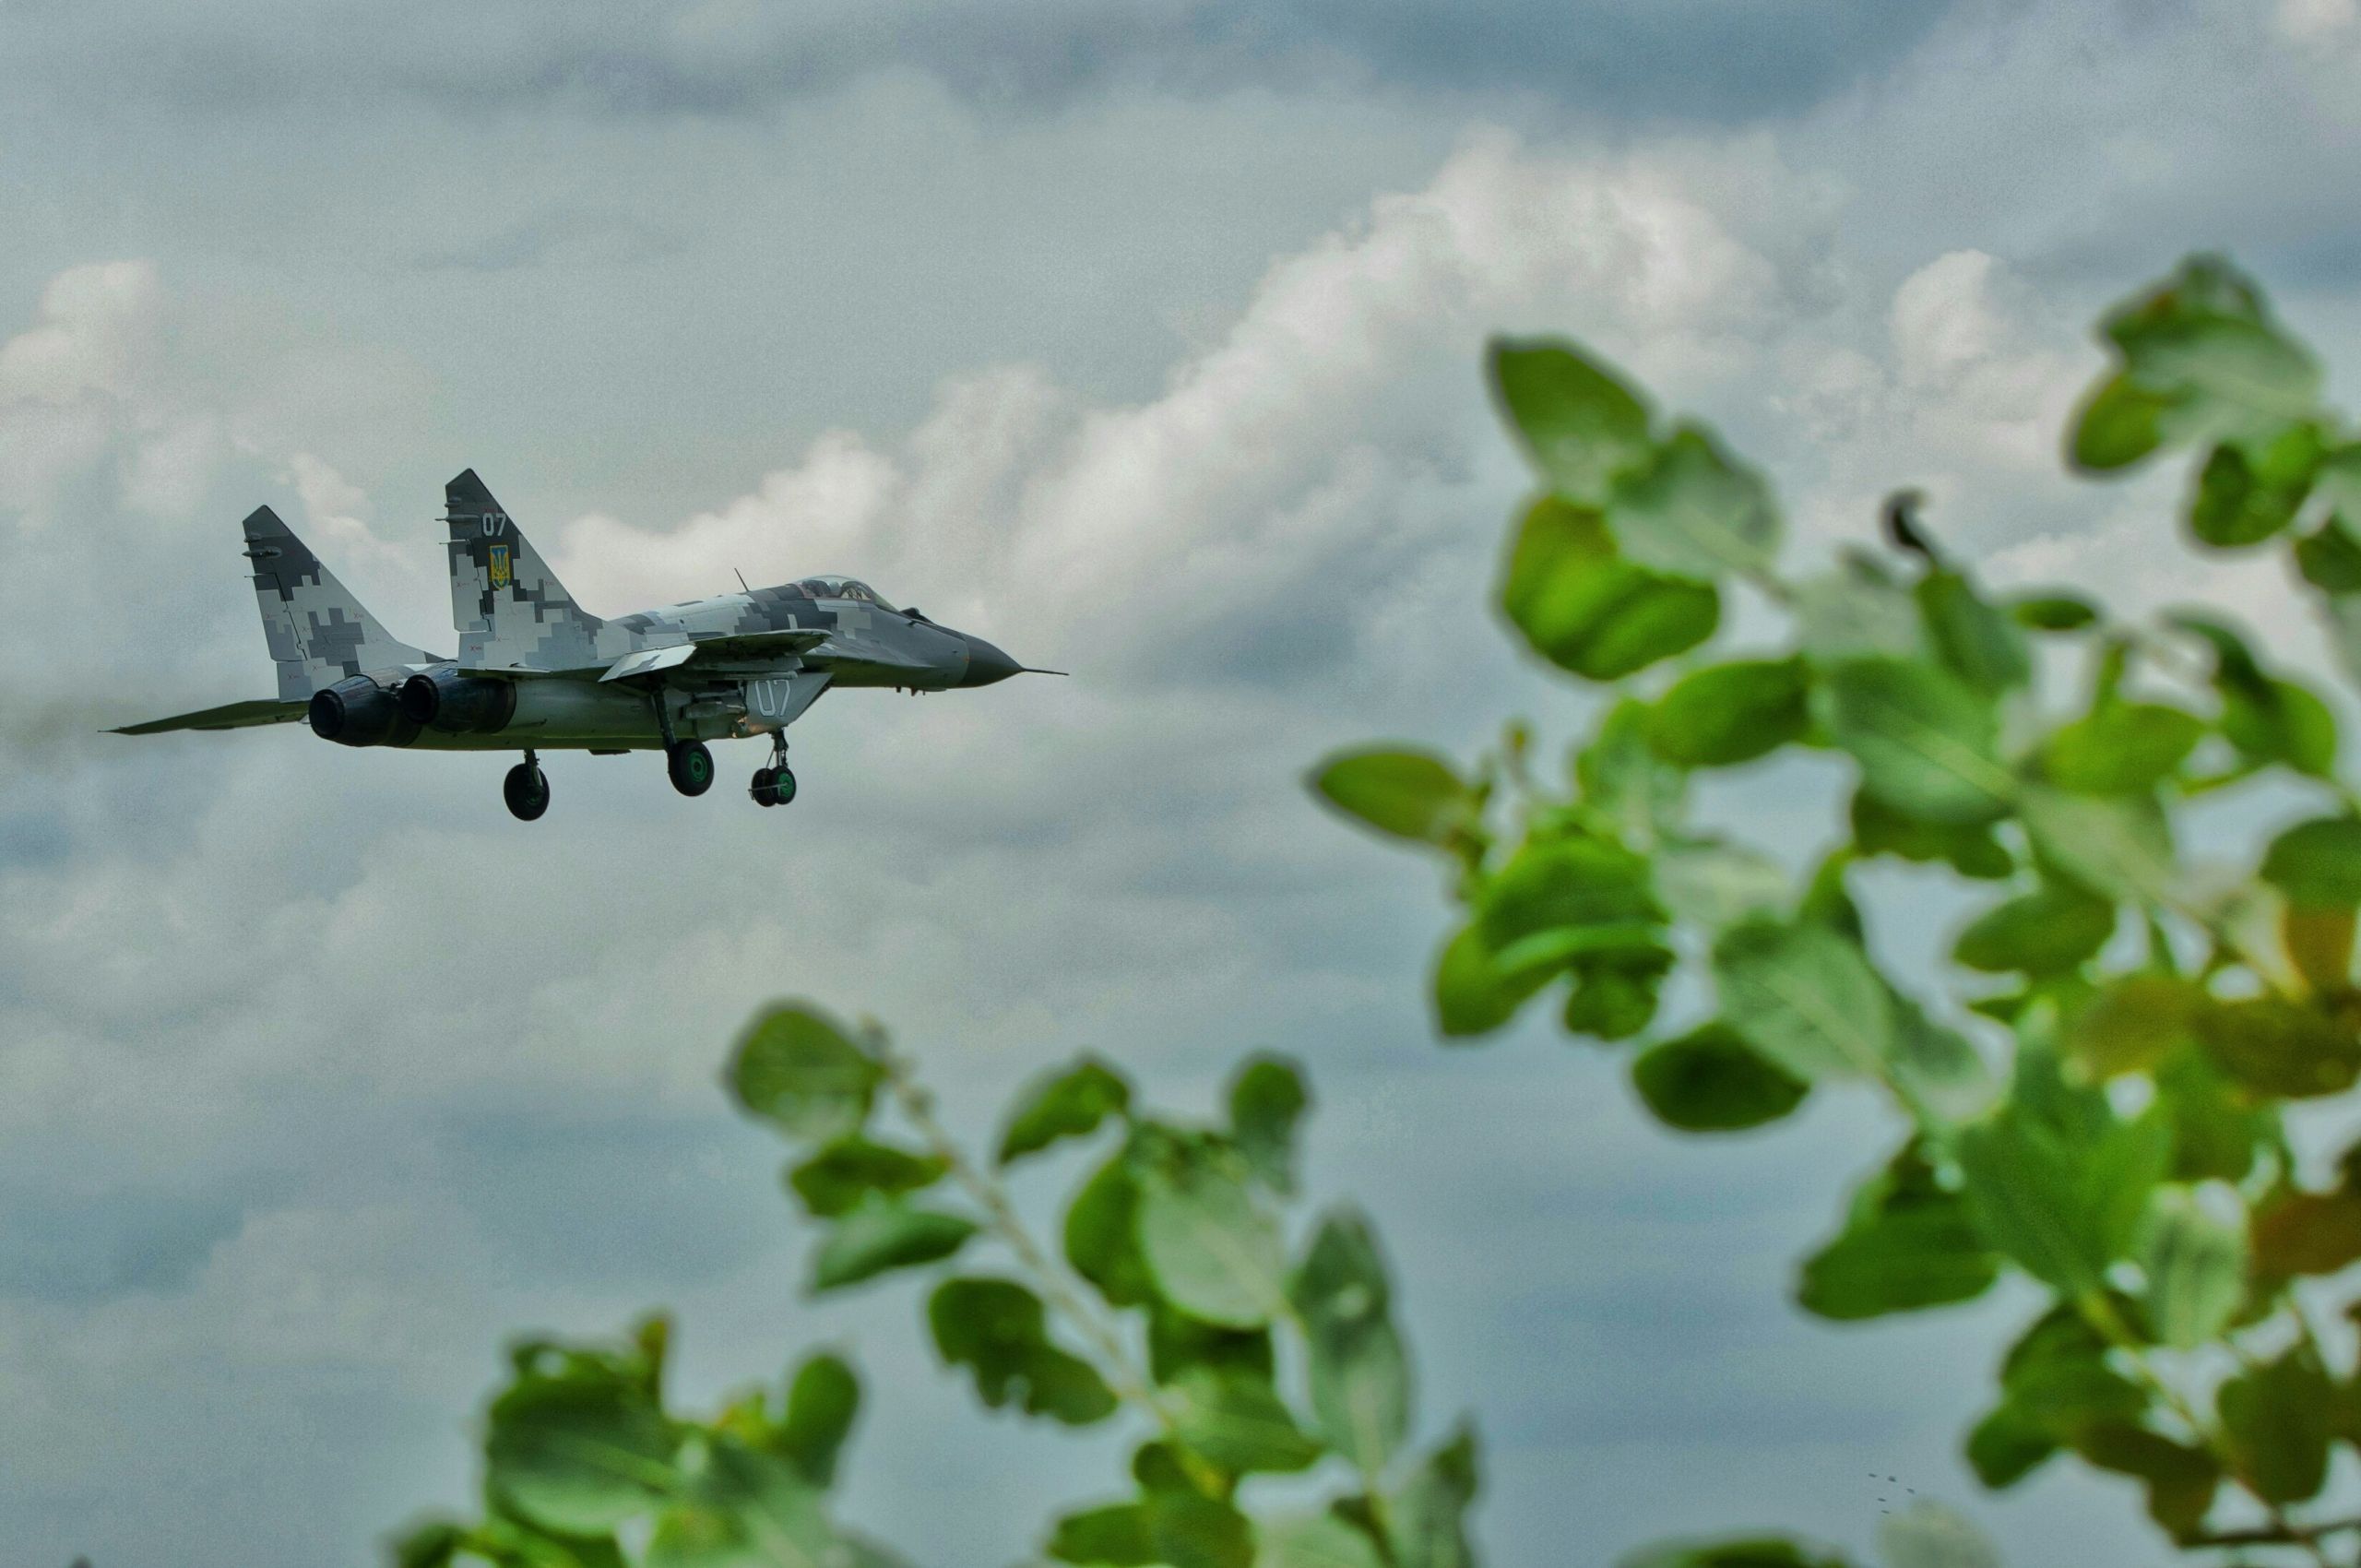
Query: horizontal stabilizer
{"points": [[235, 716]]}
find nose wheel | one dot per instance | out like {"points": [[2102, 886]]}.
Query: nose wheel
{"points": [[526, 791], [774, 785]]}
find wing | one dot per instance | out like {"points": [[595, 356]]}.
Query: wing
{"points": [[737, 646], [236, 715]]}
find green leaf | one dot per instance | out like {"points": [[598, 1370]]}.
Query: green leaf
{"points": [[1101, 1235], [2119, 847], [1558, 901], [2278, 721], [1927, 1535], [2046, 931], [1806, 998], [2195, 1266], [1213, 1252], [880, 1234], [2003, 1448], [1112, 1536], [1936, 1072], [2276, 1423], [1586, 608], [1428, 1513], [2119, 425], [579, 1453], [433, 1544], [1614, 997], [1709, 883], [1582, 425], [832, 1182], [1727, 713], [796, 1069], [1266, 1098], [2218, 1128], [2202, 346], [1975, 641], [1926, 743], [1907, 1244], [1694, 511], [2245, 497], [1236, 1421], [1318, 1540], [2307, 1233], [1859, 611], [1413, 795], [1473, 994], [2181, 1480], [1633, 794], [2121, 749], [1878, 830], [1745, 1552], [2317, 864], [2131, 1024], [744, 1508], [2330, 558], [995, 1328], [2269, 721], [2057, 1381], [2053, 612], [2063, 1202], [1177, 1342], [1190, 1531], [2280, 1048], [821, 1401], [1712, 1081], [1359, 1375], [1066, 1104]]}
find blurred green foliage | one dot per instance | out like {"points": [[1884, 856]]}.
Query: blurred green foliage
{"points": [[2093, 1098]]}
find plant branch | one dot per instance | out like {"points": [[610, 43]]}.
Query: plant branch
{"points": [[1001, 1218]]}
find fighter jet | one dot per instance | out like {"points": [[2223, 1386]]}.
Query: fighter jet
{"points": [[537, 673]]}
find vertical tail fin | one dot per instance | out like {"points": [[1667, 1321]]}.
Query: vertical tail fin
{"points": [[318, 633], [508, 606]]}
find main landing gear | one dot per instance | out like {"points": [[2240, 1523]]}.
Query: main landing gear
{"points": [[527, 790], [773, 786], [691, 766]]}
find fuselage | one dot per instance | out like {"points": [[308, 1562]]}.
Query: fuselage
{"points": [[725, 693]]}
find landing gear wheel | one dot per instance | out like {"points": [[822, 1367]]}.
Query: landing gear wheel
{"points": [[526, 791], [783, 786], [691, 766], [766, 787]]}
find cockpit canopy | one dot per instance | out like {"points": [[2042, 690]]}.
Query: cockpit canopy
{"points": [[843, 587]]}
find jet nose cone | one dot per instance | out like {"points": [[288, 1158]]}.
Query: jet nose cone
{"points": [[986, 663]]}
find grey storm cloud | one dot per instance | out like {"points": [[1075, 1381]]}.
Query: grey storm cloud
{"points": [[1703, 60]]}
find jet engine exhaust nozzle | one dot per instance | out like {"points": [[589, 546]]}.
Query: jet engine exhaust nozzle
{"points": [[459, 704], [357, 711]]}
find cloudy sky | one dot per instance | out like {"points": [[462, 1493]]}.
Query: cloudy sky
{"points": [[1140, 339]]}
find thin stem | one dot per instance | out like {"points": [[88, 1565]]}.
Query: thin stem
{"points": [[1001, 1218], [2101, 1315]]}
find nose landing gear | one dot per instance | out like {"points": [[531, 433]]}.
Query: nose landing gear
{"points": [[774, 785], [526, 790]]}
